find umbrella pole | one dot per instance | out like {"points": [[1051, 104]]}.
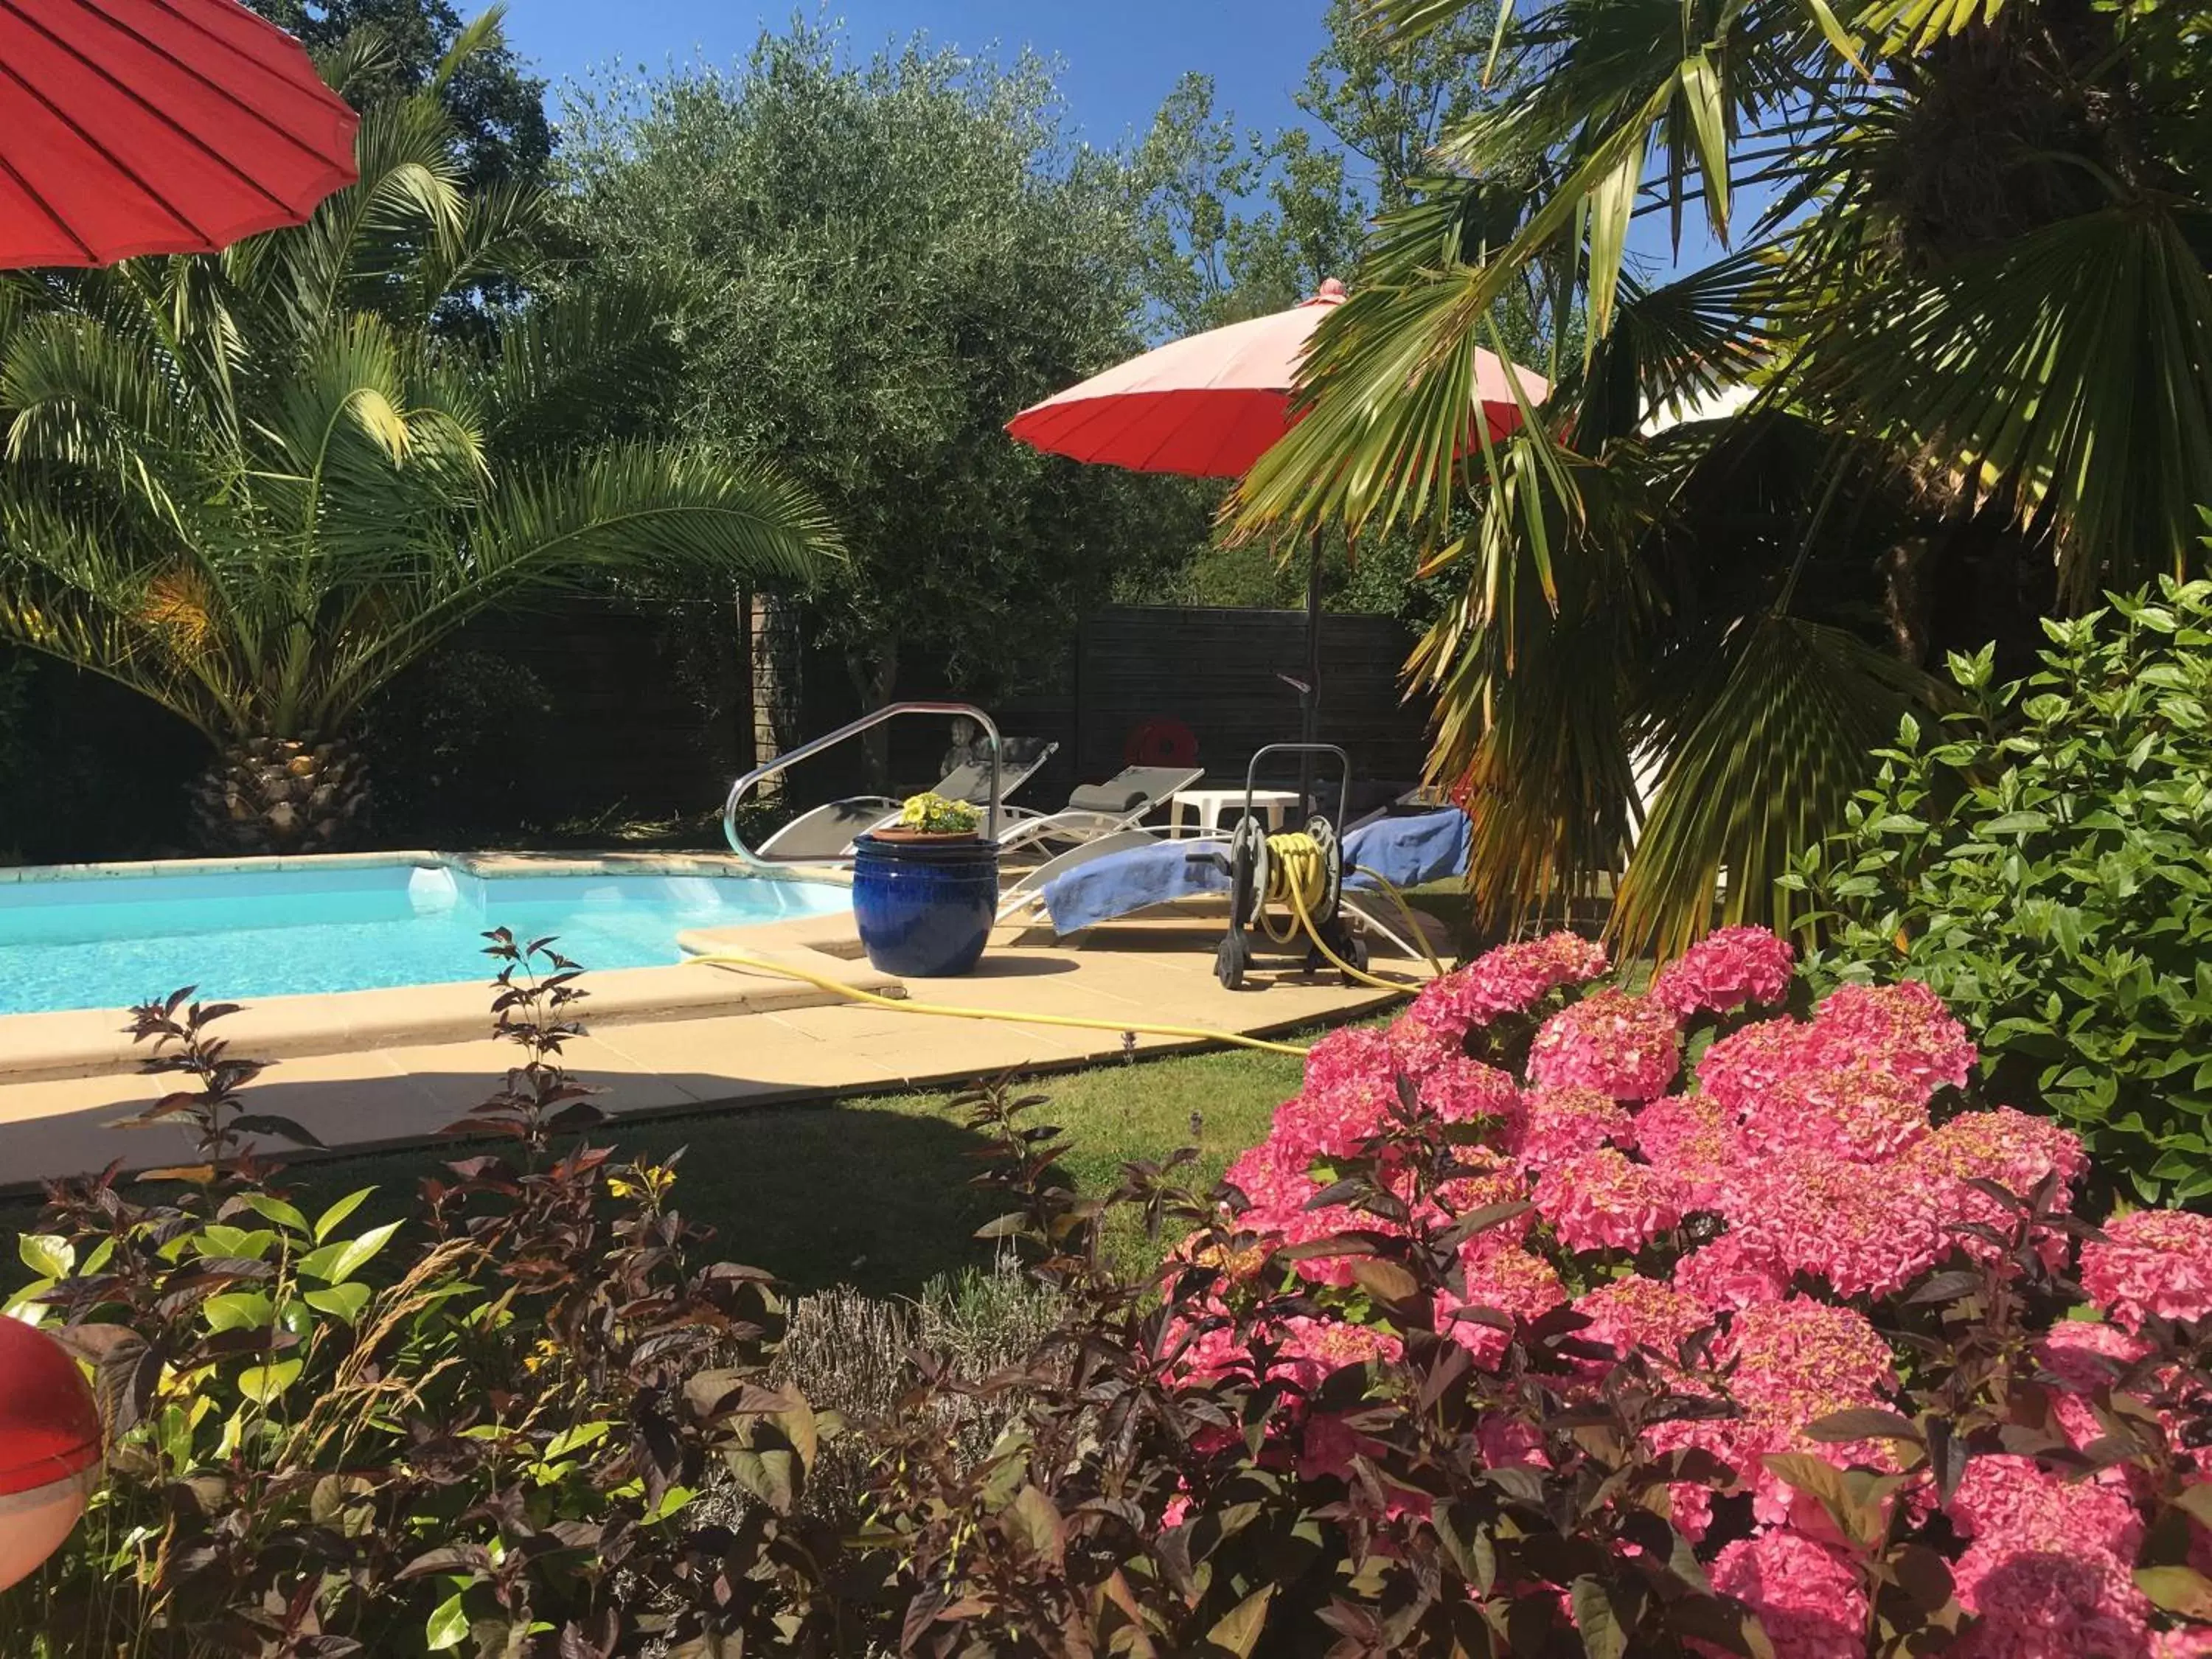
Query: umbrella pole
{"points": [[1310, 725]]}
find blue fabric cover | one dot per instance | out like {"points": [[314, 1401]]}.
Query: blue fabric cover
{"points": [[1408, 851]]}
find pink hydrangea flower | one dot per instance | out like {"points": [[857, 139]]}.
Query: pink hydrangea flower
{"points": [[1726, 970], [2049, 1605], [1905, 1026], [1628, 1048], [1799, 1360], [1741, 1069], [1636, 1312], [1505, 1280], [1312, 1348], [2152, 1263], [2048, 1567], [1417, 1049], [2010, 1148], [2013, 1501], [1557, 1124], [1791, 1363], [2083, 1357], [1689, 1139], [1808, 1597], [1463, 1090], [1861, 1112], [1599, 1200], [1864, 1230], [1509, 979], [1728, 1273]]}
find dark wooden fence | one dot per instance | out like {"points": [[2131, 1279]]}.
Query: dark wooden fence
{"points": [[1218, 673], [651, 706]]}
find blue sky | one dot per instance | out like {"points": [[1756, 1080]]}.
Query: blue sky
{"points": [[1120, 57]]}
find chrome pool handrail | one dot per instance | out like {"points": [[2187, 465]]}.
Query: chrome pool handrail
{"points": [[783, 762]]}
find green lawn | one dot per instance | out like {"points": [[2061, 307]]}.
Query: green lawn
{"points": [[874, 1191]]}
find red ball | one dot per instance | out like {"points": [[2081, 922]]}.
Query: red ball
{"points": [[50, 1446]]}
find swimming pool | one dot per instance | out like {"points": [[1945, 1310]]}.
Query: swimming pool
{"points": [[107, 941]]}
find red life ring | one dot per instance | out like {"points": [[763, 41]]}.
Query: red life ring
{"points": [[1161, 742]]}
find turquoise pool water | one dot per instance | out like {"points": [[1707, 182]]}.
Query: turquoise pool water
{"points": [[111, 941]]}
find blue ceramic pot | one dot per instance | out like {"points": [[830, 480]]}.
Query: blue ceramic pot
{"points": [[924, 908]]}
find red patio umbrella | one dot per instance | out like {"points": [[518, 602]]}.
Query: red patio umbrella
{"points": [[1210, 404], [157, 126]]}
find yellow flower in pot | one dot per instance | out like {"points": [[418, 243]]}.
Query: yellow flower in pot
{"points": [[933, 816]]}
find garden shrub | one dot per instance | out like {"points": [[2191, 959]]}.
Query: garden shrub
{"points": [[1548, 1319], [1553, 1319], [2045, 865], [483, 1431]]}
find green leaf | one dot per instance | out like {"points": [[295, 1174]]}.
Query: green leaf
{"points": [[263, 1384], [343, 1301], [239, 1311], [338, 1212], [448, 1625], [337, 1263], [1238, 1631], [274, 1209], [1597, 1620], [574, 1439], [2177, 1589], [46, 1254]]}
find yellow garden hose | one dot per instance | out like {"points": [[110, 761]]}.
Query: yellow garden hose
{"points": [[1298, 881], [944, 1010]]}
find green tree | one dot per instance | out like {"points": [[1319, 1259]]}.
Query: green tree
{"points": [[886, 260], [1244, 222], [255, 488], [496, 108], [1971, 297]]}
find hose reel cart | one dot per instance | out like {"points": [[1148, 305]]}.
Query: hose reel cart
{"points": [[1300, 873]]}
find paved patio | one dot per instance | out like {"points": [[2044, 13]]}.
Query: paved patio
{"points": [[373, 1086]]}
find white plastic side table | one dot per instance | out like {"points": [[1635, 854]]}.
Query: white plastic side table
{"points": [[1205, 807]]}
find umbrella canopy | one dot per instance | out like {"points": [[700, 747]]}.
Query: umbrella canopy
{"points": [[157, 126], [1209, 405]]}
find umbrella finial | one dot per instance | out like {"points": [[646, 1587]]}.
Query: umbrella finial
{"points": [[1332, 290]]}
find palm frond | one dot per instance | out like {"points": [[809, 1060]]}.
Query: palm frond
{"points": [[572, 368], [2069, 371], [1674, 344], [1760, 761], [629, 508]]}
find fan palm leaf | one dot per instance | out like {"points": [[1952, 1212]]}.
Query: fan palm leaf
{"points": [[1975, 304]]}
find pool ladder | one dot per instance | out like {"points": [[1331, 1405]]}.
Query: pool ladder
{"points": [[746, 785]]}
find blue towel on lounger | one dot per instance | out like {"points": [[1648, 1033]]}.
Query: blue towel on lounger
{"points": [[1407, 851], [1122, 884]]}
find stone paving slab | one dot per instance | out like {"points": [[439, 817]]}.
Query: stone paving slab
{"points": [[692, 1059]]}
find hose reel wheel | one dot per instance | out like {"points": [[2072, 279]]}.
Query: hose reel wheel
{"points": [[1331, 853]]}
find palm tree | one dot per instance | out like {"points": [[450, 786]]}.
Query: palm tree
{"points": [[1971, 325], [256, 488]]}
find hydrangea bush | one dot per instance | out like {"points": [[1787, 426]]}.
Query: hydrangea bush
{"points": [[1553, 1318]]}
